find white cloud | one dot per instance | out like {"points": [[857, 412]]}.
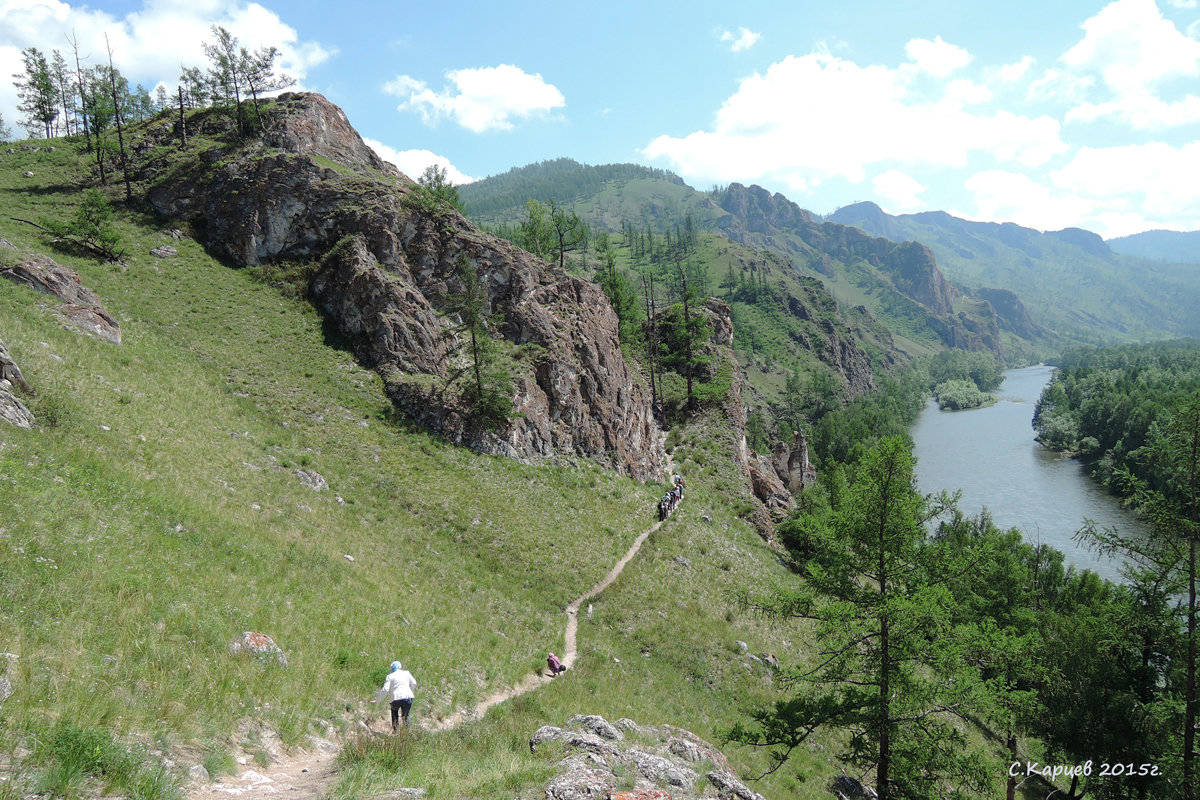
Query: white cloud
{"points": [[150, 44], [1128, 56], [1114, 191], [744, 39], [1162, 182], [937, 57], [814, 117], [413, 162], [899, 189], [1011, 73], [483, 99], [1004, 196]]}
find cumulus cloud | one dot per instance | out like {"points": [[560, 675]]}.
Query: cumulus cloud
{"points": [[900, 190], [1114, 191], [814, 117], [150, 44], [1161, 180], [1011, 73], [480, 100], [937, 57], [414, 162], [1122, 66], [744, 39]]}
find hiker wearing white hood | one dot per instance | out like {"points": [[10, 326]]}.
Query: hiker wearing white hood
{"points": [[399, 688]]}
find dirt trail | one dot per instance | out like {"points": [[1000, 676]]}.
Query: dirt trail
{"points": [[307, 776]]}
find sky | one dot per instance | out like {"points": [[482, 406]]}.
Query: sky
{"points": [[1049, 115]]}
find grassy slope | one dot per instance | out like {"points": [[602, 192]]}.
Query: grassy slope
{"points": [[161, 515]]}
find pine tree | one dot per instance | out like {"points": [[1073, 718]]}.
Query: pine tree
{"points": [[888, 672], [38, 93]]}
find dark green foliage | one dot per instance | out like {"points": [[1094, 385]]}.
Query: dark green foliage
{"points": [[955, 395], [889, 672], [561, 180], [488, 391], [92, 228], [978, 367], [38, 93], [434, 181], [1110, 402]]}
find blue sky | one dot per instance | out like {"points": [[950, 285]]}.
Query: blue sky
{"points": [[1070, 113]]}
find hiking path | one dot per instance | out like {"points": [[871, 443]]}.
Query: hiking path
{"points": [[307, 775]]}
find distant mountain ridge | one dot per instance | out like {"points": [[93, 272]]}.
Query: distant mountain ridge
{"points": [[1171, 246], [1072, 281], [903, 287]]}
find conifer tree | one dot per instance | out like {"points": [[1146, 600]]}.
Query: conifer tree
{"points": [[38, 94], [888, 672]]}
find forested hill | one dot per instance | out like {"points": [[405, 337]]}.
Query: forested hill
{"points": [[1074, 282], [562, 180], [1175, 247], [897, 284]]}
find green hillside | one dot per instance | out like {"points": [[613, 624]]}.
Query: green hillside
{"points": [[156, 512], [1071, 280], [857, 270]]}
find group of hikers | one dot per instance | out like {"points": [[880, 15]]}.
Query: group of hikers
{"points": [[400, 686], [670, 501]]}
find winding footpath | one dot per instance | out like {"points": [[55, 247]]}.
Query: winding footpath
{"points": [[307, 776]]}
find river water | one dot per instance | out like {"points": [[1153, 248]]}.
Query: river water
{"points": [[990, 454]]}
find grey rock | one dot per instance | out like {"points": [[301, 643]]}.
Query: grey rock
{"points": [[27, 174], [661, 770], [729, 787], [164, 251], [312, 479], [681, 561], [6, 688], [199, 774], [587, 742], [387, 270], [597, 725]]}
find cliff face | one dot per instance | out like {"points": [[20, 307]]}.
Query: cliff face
{"points": [[908, 270], [388, 265]]}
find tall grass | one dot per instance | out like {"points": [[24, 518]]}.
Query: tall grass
{"points": [[156, 513]]}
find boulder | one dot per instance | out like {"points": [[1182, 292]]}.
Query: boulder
{"points": [[81, 308], [260, 646]]}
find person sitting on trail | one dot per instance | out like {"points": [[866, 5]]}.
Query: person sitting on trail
{"points": [[555, 665], [399, 686]]}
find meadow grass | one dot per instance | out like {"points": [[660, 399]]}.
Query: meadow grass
{"points": [[157, 511]]}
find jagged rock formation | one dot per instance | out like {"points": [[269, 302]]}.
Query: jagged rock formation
{"points": [[666, 760], [792, 465], [81, 307], [1011, 313], [907, 271], [388, 257], [12, 410]]}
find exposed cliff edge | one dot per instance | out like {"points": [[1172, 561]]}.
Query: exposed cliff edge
{"points": [[903, 278], [388, 264]]}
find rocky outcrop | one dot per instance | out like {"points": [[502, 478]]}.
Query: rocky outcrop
{"points": [[1011, 313], [792, 464], [81, 307], [904, 278], [389, 264], [12, 410], [664, 762]]}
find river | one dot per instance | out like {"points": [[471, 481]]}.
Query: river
{"points": [[990, 454]]}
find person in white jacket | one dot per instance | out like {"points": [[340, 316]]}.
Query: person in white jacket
{"points": [[399, 687]]}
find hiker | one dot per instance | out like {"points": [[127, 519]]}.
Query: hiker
{"points": [[399, 688], [555, 665]]}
